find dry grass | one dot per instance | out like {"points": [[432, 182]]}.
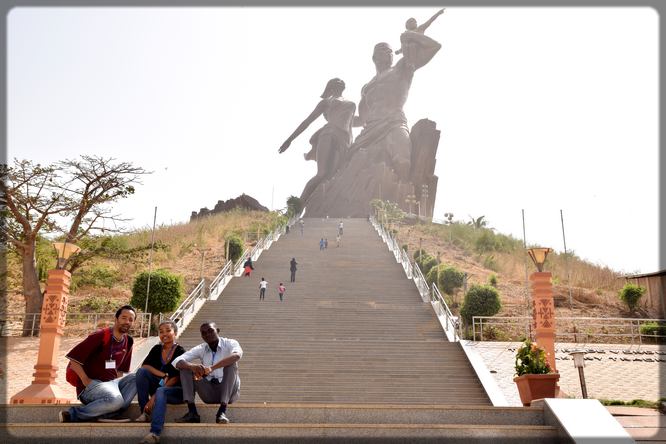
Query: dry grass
{"points": [[593, 288], [185, 243]]}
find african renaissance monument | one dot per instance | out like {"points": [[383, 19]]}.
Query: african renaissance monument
{"points": [[386, 161]]}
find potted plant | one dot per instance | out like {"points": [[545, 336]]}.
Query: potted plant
{"points": [[534, 377]]}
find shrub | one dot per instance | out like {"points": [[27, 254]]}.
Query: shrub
{"points": [[631, 294], [531, 360], [96, 276], [433, 275], [427, 264], [235, 247], [480, 300], [450, 279], [485, 242], [405, 247], [492, 280], [419, 253], [653, 328], [166, 291], [96, 304]]}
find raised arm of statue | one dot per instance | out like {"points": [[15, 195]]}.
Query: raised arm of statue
{"points": [[421, 49], [421, 29], [318, 111]]}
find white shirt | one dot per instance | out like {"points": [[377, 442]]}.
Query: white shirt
{"points": [[202, 352], [263, 284]]}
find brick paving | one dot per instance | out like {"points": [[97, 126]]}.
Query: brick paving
{"points": [[631, 373], [18, 357]]}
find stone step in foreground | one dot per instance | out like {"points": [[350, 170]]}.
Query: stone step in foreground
{"points": [[299, 423]]}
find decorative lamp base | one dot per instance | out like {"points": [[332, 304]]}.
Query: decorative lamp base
{"points": [[41, 394]]}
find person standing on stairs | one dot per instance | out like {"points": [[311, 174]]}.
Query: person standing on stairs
{"points": [[281, 290], [262, 289], [248, 266], [215, 379], [321, 244], [292, 268]]}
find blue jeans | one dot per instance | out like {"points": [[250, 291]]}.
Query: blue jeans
{"points": [[163, 396], [101, 399], [146, 385]]}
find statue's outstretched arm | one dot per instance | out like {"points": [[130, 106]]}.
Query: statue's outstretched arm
{"points": [[318, 111], [425, 25]]}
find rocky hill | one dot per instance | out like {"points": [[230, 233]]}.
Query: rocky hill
{"points": [[242, 202]]}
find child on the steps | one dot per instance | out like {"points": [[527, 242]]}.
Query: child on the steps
{"points": [[281, 290]]}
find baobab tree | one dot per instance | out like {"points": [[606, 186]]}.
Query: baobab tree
{"points": [[70, 199]]}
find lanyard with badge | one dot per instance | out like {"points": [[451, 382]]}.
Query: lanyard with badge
{"points": [[110, 364]]}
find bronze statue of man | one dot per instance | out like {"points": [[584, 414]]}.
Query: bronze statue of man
{"points": [[385, 134]]}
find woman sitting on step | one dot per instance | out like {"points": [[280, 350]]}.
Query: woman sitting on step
{"points": [[158, 381]]}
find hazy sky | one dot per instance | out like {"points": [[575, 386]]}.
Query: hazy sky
{"points": [[539, 109]]}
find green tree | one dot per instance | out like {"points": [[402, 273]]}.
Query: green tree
{"points": [[479, 222], [234, 247], [166, 291], [450, 279], [480, 300], [630, 294], [294, 206]]}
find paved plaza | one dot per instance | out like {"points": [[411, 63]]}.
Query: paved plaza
{"points": [[621, 371], [18, 357]]}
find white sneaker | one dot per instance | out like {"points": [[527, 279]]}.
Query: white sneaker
{"points": [[144, 417], [222, 419]]}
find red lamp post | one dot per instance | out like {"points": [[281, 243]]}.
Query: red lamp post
{"points": [[43, 389]]}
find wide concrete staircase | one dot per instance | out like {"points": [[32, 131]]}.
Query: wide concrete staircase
{"points": [[351, 355], [351, 329]]}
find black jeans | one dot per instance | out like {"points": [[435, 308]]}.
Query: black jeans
{"points": [[293, 275]]}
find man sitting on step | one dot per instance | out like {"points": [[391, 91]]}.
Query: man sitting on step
{"points": [[96, 367], [215, 378]]}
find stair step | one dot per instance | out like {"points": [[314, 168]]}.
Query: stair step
{"points": [[285, 433], [314, 413]]}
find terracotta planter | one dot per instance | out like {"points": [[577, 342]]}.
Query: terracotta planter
{"points": [[531, 387]]}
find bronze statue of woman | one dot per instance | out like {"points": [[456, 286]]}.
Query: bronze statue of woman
{"points": [[331, 141]]}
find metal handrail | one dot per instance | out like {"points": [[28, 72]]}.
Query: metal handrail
{"points": [[195, 299], [629, 327], [220, 279], [427, 292], [188, 305], [90, 320], [451, 320]]}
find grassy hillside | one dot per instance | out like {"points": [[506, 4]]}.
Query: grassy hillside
{"points": [[481, 252], [104, 283]]}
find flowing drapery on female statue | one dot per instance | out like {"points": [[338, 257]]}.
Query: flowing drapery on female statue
{"points": [[331, 141]]}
